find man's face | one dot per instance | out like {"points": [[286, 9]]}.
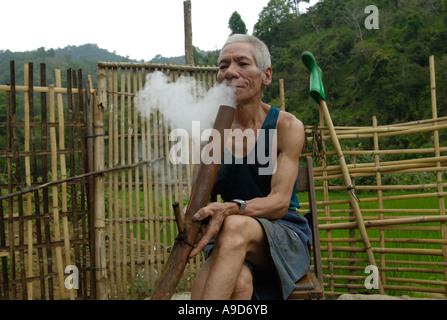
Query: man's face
{"points": [[238, 67]]}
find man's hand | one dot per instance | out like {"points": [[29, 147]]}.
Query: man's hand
{"points": [[216, 212]]}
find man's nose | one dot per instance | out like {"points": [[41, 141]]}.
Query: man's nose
{"points": [[232, 72]]}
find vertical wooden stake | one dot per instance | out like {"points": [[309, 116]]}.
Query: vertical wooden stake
{"points": [[188, 33], [99, 207], [281, 94]]}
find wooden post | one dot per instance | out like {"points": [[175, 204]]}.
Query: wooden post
{"points": [[281, 94], [99, 207], [189, 57], [91, 102]]}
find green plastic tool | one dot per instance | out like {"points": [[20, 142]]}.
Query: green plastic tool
{"points": [[316, 76]]}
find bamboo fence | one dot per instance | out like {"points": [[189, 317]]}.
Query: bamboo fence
{"points": [[409, 241], [86, 181], [139, 219], [44, 225]]}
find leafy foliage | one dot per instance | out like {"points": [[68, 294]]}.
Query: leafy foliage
{"points": [[382, 72]]}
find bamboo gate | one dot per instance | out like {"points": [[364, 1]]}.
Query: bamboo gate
{"points": [[96, 192]]}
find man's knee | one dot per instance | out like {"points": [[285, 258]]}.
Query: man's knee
{"points": [[233, 235]]}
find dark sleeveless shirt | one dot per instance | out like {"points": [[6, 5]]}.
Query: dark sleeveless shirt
{"points": [[245, 178]]}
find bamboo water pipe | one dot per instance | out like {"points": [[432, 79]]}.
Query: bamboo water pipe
{"points": [[200, 196]]}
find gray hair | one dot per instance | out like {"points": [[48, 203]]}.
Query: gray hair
{"points": [[260, 51]]}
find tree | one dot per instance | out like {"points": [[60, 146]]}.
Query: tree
{"points": [[271, 17], [236, 24]]}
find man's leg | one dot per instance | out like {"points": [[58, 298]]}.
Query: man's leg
{"points": [[241, 238]]}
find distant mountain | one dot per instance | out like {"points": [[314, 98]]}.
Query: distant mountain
{"points": [[83, 57]]}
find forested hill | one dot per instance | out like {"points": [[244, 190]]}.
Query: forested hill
{"points": [[366, 72], [83, 57]]}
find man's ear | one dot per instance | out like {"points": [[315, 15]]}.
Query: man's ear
{"points": [[267, 77]]}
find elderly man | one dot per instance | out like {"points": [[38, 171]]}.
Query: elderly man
{"points": [[256, 242]]}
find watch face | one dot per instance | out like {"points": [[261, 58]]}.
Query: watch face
{"points": [[241, 204]]}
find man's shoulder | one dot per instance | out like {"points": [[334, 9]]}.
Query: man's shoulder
{"points": [[288, 121]]}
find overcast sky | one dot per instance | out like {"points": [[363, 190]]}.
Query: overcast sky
{"points": [[139, 29]]}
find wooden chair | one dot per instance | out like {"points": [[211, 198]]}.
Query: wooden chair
{"points": [[311, 285]]}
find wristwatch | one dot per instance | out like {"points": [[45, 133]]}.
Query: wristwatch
{"points": [[242, 204]]}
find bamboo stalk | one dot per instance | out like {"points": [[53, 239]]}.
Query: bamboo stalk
{"points": [[63, 170], [137, 170], [123, 181], [116, 206], [184, 68], [146, 203], [130, 179], [37, 89], [99, 224], [386, 165], [281, 94], [18, 180], [160, 129], [49, 253], [156, 190], [385, 222], [441, 199], [54, 191], [326, 196], [29, 225]]}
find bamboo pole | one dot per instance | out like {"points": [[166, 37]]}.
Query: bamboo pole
{"points": [[441, 199], [116, 206], [45, 193], [281, 94], [130, 178], [54, 191], [29, 225], [189, 56], [99, 203], [326, 197], [18, 181], [123, 179], [348, 182], [63, 168], [380, 199], [37, 89], [146, 187], [135, 76], [384, 222], [150, 226], [90, 107]]}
